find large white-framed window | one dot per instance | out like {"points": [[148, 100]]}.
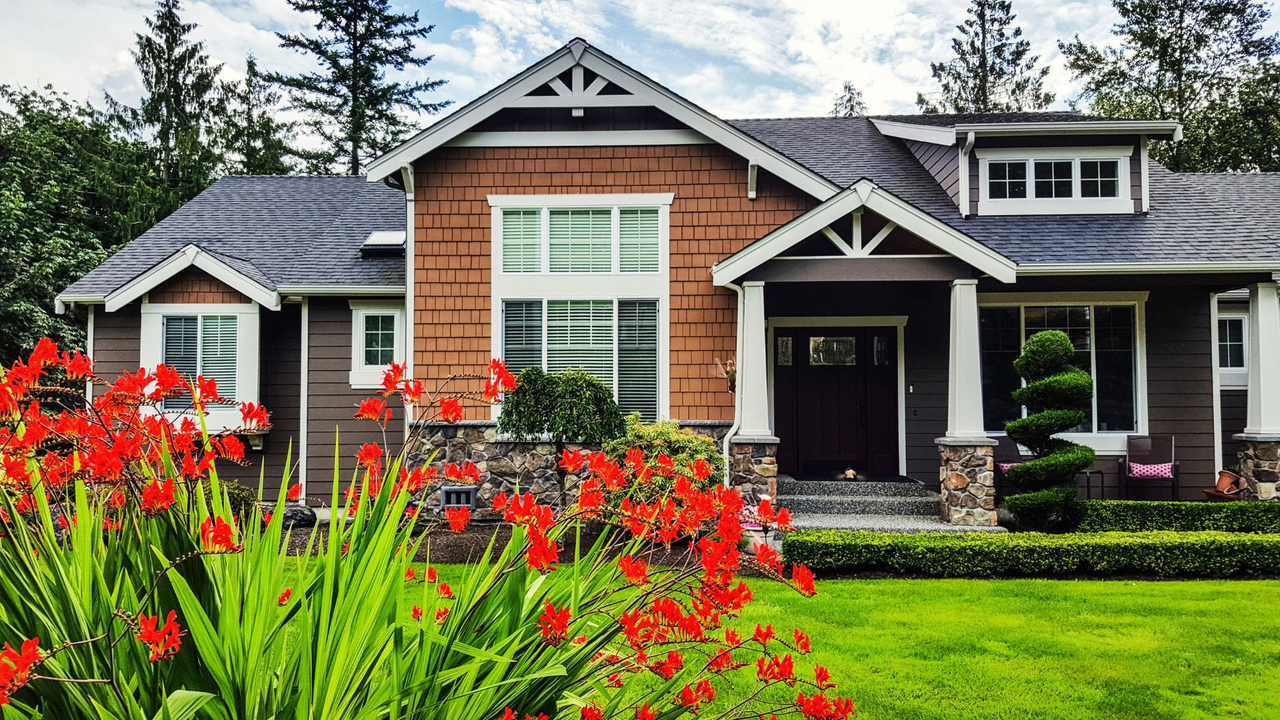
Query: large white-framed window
{"points": [[1109, 334], [1233, 350], [1054, 181], [377, 340], [215, 340], [583, 281]]}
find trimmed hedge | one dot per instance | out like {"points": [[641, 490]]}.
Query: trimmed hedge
{"points": [[1155, 554], [1135, 516]]}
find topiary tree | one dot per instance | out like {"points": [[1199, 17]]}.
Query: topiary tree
{"points": [[1056, 394]]}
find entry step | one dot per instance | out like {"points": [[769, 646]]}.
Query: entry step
{"points": [[883, 523], [788, 486], [861, 504]]}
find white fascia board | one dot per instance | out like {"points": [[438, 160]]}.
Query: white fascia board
{"points": [[191, 256], [1084, 127], [920, 133], [342, 289], [60, 302], [585, 138], [590, 200], [1146, 268]]}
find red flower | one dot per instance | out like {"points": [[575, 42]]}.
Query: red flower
{"points": [[445, 591], [571, 461], [644, 713], [164, 642], [819, 707], [410, 575], [254, 416], [411, 392], [822, 678], [776, 668], [441, 615], [802, 641], [207, 390], [431, 574], [636, 571], [373, 409], [501, 376], [458, 518], [450, 410], [802, 577], [15, 667], [765, 513], [784, 519], [391, 378], [231, 448], [294, 492], [767, 556], [763, 634], [692, 697], [266, 519], [554, 624], [117, 499], [217, 536], [701, 470], [369, 455], [614, 680], [591, 712], [542, 554], [284, 597], [417, 613]]}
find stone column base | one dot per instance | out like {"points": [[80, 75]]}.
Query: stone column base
{"points": [[968, 482], [753, 466], [1260, 468]]}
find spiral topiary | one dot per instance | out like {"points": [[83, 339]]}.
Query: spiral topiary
{"points": [[1056, 394]]}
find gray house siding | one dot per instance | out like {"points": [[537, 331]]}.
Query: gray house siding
{"points": [[943, 164], [115, 341], [1235, 407]]}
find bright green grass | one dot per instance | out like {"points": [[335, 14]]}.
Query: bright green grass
{"points": [[1011, 649]]}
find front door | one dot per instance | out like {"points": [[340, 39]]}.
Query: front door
{"points": [[836, 400]]}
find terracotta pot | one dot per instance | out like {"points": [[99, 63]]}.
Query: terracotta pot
{"points": [[1228, 482]]}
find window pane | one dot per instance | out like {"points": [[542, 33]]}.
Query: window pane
{"points": [[1099, 178], [581, 240], [521, 240], [218, 334], [638, 240], [638, 357], [180, 351], [1053, 178], [379, 339], [1000, 335], [832, 351], [580, 335], [1231, 343], [1114, 377], [521, 334], [1006, 180]]}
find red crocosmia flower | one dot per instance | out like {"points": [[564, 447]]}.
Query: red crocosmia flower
{"points": [[636, 571], [45, 352], [156, 498], [614, 680], [692, 697], [442, 614], [732, 637], [819, 707], [266, 519], [372, 409], [217, 536], [591, 712], [445, 591], [459, 518], [701, 470], [667, 667], [499, 502], [391, 378], [231, 448], [666, 466], [207, 390], [554, 623], [767, 556], [369, 455], [410, 575], [111, 524], [431, 574], [254, 416], [492, 391], [542, 554], [117, 500], [501, 376], [776, 668], [644, 713], [417, 613], [784, 519], [15, 667], [78, 366], [763, 634], [802, 641], [571, 461], [802, 578], [765, 513], [294, 492], [164, 642], [822, 678], [450, 410], [411, 392], [284, 597]]}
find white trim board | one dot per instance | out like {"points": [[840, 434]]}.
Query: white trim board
{"points": [[191, 256], [1077, 204], [585, 138], [585, 200], [368, 377], [1231, 378], [1217, 379]]}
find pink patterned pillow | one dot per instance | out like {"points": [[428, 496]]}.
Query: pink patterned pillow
{"points": [[1004, 467], [1158, 470]]}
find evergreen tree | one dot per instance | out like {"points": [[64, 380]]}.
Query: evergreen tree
{"points": [[354, 108], [993, 70], [849, 102], [1194, 61], [181, 105], [256, 142]]}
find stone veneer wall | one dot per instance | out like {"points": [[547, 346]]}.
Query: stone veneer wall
{"points": [[1260, 469], [968, 485], [506, 464], [752, 467]]}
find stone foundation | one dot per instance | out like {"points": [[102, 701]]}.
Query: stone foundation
{"points": [[1260, 469], [753, 467], [968, 488]]}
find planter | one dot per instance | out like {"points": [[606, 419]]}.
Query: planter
{"points": [[756, 535], [1228, 482]]}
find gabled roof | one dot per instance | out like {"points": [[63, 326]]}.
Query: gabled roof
{"points": [[285, 234], [514, 92]]}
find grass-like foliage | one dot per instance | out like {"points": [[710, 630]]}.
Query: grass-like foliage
{"points": [[131, 596]]}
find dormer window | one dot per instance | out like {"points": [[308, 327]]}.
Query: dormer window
{"points": [[1053, 181]]}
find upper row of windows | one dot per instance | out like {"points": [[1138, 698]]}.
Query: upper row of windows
{"points": [[580, 240], [1008, 179]]}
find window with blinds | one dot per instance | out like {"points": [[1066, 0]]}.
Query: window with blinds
{"points": [[638, 240], [521, 241], [580, 240], [638, 357], [201, 345], [522, 334], [580, 335]]}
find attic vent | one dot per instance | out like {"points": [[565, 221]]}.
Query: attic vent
{"points": [[383, 242]]}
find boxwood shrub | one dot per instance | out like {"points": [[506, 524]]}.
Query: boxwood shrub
{"points": [[1138, 516], [1149, 554]]}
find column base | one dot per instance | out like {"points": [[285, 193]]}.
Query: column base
{"points": [[968, 480], [753, 466], [1260, 467]]}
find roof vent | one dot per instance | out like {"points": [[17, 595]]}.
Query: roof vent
{"points": [[383, 242]]}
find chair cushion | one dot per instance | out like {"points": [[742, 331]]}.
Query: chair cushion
{"points": [[1004, 467], [1157, 470]]}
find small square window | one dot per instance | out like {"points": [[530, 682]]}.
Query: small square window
{"points": [[1231, 344], [1007, 180], [1100, 178], [1053, 178], [379, 339], [825, 351]]}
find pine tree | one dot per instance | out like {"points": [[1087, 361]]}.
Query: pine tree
{"points": [[849, 102], [353, 107], [257, 143], [181, 104], [993, 70], [1194, 61]]}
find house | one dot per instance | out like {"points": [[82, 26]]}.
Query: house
{"points": [[872, 277]]}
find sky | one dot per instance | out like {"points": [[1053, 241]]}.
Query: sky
{"points": [[736, 58]]}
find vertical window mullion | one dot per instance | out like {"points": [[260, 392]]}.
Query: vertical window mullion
{"points": [[1093, 363], [545, 333], [544, 247], [617, 334]]}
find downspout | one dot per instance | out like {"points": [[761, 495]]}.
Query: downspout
{"points": [[737, 388]]}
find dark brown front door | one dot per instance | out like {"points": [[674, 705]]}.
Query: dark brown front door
{"points": [[836, 400]]}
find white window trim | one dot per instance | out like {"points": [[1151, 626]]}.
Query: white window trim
{"points": [[151, 352], [368, 377], [1074, 205], [1110, 442], [587, 286], [1234, 378]]}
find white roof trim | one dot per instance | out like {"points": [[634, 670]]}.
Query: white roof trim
{"points": [[1142, 268], [1068, 127], [865, 194], [911, 131], [353, 290], [510, 93], [190, 256]]}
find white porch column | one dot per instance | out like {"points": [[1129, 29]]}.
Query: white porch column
{"points": [[753, 367], [964, 381], [1264, 361]]}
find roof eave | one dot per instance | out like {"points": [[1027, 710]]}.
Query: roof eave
{"points": [[1159, 129]]}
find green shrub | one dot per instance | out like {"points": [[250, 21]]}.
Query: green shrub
{"points": [[569, 406], [1154, 554], [1126, 516], [682, 445], [1051, 509], [240, 498]]}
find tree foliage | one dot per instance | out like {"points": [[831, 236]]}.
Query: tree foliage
{"points": [[257, 142], [353, 107], [71, 192], [993, 70], [849, 102], [1204, 63]]}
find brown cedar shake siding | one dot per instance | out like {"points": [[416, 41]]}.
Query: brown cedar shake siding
{"points": [[711, 218], [195, 286]]}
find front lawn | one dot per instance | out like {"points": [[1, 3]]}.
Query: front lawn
{"points": [[1011, 649]]}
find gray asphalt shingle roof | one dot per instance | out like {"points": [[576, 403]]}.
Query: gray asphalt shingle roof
{"points": [[1191, 219], [280, 231]]}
